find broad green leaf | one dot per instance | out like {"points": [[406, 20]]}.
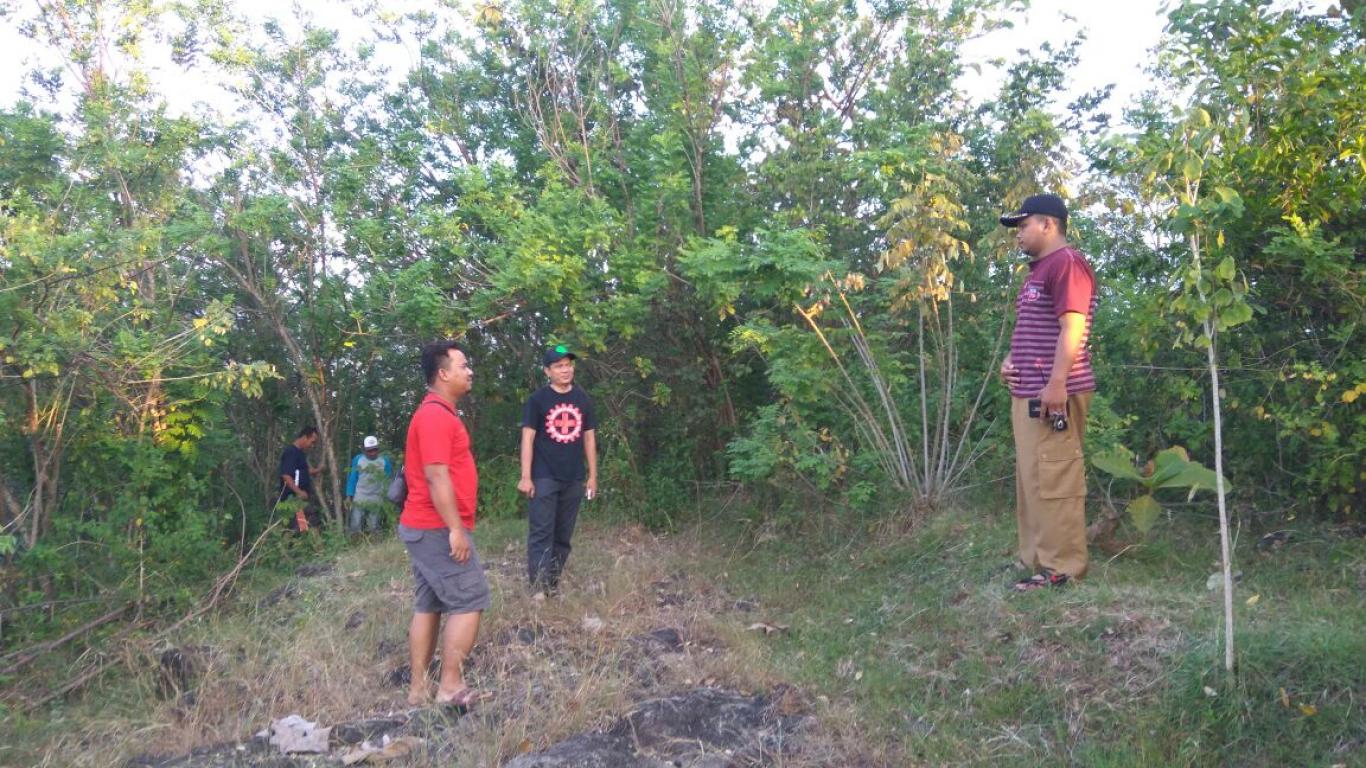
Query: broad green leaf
{"points": [[1225, 270], [1235, 314], [1174, 469], [1226, 194], [1192, 168], [1168, 463], [1144, 511], [1118, 462]]}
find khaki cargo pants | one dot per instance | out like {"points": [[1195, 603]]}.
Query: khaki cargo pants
{"points": [[1050, 488]]}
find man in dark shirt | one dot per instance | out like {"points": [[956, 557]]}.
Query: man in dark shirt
{"points": [[559, 437], [296, 478]]}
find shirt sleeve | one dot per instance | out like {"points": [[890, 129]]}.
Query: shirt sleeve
{"points": [[529, 413], [590, 415], [388, 469], [352, 478], [286, 463], [435, 433], [1071, 286]]}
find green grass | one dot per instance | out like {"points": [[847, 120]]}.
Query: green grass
{"points": [[917, 640], [906, 646]]}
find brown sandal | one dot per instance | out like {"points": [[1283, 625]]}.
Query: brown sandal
{"points": [[1041, 580]]}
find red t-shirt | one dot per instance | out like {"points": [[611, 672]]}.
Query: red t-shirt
{"points": [[437, 436], [1058, 283]]}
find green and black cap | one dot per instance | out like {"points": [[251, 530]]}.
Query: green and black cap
{"points": [[557, 353]]}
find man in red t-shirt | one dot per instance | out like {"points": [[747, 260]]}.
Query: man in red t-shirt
{"points": [[435, 526], [1051, 384]]}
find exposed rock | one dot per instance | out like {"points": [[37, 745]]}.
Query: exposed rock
{"points": [[669, 600], [522, 635], [706, 716], [309, 570], [399, 676], [289, 591], [391, 647], [366, 730], [589, 750], [255, 753], [1273, 541], [402, 675], [700, 728], [179, 668], [662, 640]]}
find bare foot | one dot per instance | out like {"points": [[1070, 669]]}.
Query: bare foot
{"points": [[444, 697], [464, 698], [419, 698]]}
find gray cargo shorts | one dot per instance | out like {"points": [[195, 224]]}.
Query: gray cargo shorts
{"points": [[443, 585]]}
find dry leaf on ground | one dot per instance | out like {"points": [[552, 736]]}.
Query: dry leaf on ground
{"points": [[766, 628]]}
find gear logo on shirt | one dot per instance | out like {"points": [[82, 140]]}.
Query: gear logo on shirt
{"points": [[564, 423]]}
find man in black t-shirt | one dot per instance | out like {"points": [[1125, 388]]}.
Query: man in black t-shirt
{"points": [[296, 478], [559, 442]]}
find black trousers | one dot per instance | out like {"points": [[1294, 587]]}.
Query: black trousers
{"points": [[553, 512]]}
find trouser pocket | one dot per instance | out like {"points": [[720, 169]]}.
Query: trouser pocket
{"points": [[1062, 469]]}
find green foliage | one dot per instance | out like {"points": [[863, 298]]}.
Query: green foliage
{"points": [[685, 195], [1170, 468], [1259, 161]]}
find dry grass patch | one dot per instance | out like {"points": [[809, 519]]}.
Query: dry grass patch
{"points": [[634, 620]]}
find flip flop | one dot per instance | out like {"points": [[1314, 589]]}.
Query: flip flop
{"points": [[465, 699]]}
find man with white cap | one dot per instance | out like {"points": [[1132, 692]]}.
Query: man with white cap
{"points": [[370, 475]]}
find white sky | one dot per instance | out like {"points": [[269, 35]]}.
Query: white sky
{"points": [[1119, 36]]}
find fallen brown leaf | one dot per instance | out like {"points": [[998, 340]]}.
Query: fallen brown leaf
{"points": [[766, 628]]}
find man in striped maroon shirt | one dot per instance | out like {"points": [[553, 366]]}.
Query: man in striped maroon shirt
{"points": [[1049, 372]]}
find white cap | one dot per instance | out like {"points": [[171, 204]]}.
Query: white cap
{"points": [[370, 442]]}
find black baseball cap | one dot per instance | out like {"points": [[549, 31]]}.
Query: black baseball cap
{"points": [[557, 353], [1048, 205]]}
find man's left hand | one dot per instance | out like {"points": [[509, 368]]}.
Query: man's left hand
{"points": [[460, 545], [590, 488], [1053, 400]]}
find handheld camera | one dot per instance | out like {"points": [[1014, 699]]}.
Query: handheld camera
{"points": [[1058, 421]]}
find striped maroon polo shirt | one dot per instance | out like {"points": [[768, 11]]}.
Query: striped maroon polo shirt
{"points": [[1060, 282]]}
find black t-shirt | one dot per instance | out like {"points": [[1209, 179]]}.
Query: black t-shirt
{"points": [[560, 419], [294, 462]]}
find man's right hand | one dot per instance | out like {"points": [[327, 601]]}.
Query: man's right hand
{"points": [[1010, 374], [526, 487], [301, 493], [460, 545]]}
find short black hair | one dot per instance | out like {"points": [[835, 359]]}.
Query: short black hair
{"points": [[434, 357], [307, 431], [1061, 224]]}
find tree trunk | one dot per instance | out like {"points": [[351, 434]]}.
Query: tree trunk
{"points": [[1224, 544], [315, 386]]}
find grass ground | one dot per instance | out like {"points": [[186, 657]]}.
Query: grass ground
{"points": [[906, 647], [930, 659]]}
